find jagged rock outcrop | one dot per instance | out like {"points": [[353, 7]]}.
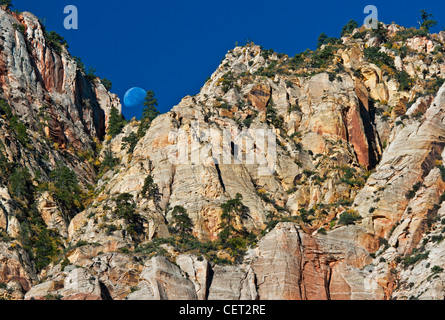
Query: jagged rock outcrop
{"points": [[16, 270], [63, 113], [292, 265]]}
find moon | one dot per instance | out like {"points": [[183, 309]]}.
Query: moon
{"points": [[135, 97]]}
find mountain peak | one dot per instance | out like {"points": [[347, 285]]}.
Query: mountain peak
{"points": [[330, 159]]}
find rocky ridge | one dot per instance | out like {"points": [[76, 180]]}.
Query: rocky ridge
{"points": [[352, 211]]}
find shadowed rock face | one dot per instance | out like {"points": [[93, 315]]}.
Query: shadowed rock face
{"points": [[335, 229]]}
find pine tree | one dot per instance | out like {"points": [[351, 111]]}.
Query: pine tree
{"points": [[6, 3], [116, 122], [321, 40], [150, 112], [232, 209], [182, 224], [427, 23], [150, 190], [349, 27], [66, 190], [107, 84], [126, 209]]}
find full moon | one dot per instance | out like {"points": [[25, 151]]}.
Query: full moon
{"points": [[134, 97]]}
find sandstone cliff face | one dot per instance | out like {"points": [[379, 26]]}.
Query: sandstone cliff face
{"points": [[35, 76], [347, 206], [51, 113]]}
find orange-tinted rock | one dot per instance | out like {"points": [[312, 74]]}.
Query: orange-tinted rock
{"points": [[82, 297], [259, 96], [362, 93], [292, 265], [356, 134]]}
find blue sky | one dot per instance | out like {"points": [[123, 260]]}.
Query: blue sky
{"points": [[172, 46]]}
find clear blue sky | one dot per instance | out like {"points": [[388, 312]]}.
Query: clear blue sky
{"points": [[172, 46]]}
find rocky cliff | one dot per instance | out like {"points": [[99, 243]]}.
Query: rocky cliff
{"points": [[345, 202]]}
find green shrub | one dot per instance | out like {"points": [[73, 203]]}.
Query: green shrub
{"points": [[410, 194], [405, 81], [322, 58], [232, 238], [107, 84], [4, 236], [43, 245], [304, 215], [403, 52], [51, 296], [298, 60], [129, 142], [349, 27], [374, 55], [20, 183], [66, 190], [437, 238], [15, 124], [436, 269], [125, 206], [6, 3], [442, 171], [360, 35], [272, 117], [109, 161], [405, 34], [110, 229], [323, 39], [91, 74], [80, 65], [381, 32], [349, 177], [248, 121], [19, 27], [410, 260], [349, 218], [434, 85], [266, 53], [56, 41]]}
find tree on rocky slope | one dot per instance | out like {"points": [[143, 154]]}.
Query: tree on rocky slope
{"points": [[6, 3], [427, 23], [150, 112], [107, 84], [233, 210], [126, 209], [129, 142], [66, 190], [116, 122], [150, 190], [56, 41], [109, 161], [233, 236], [20, 182], [349, 27], [181, 222]]}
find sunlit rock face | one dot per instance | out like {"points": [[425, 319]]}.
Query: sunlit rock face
{"points": [[344, 202]]}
